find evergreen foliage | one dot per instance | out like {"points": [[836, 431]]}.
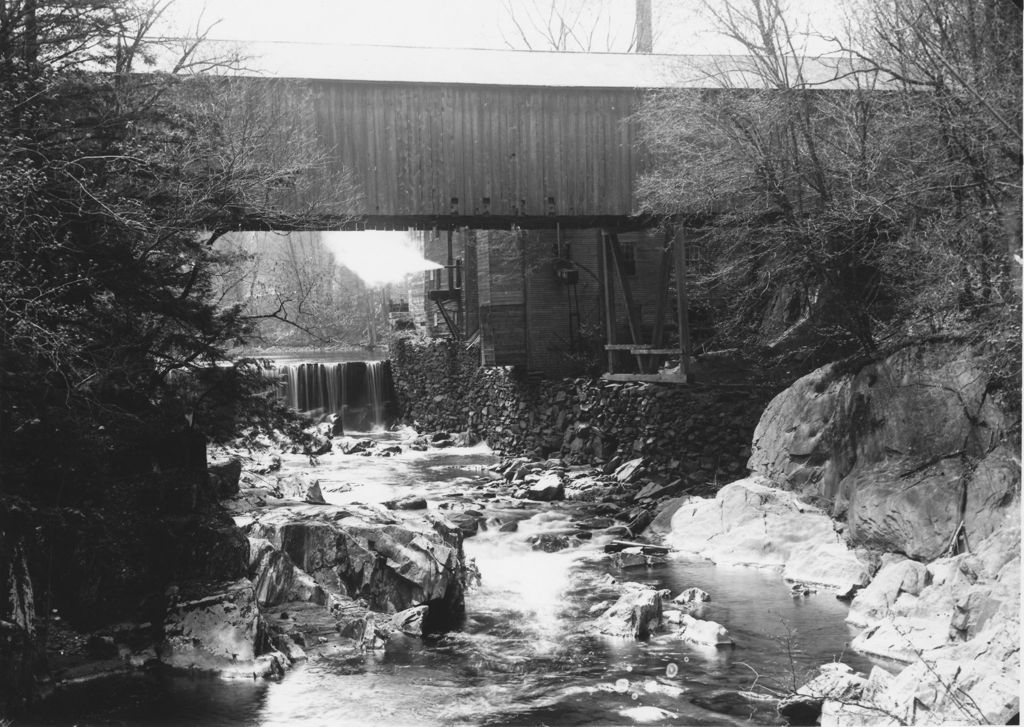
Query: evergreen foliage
{"points": [[116, 178]]}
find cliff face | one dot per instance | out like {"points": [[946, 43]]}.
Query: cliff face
{"points": [[910, 451]]}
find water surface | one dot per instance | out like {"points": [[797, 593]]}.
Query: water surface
{"points": [[523, 655]]}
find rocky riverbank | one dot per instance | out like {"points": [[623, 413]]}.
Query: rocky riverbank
{"points": [[895, 484], [907, 471], [699, 434]]}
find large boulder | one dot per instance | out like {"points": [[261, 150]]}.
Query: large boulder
{"points": [[993, 489], [750, 523], [277, 580], [968, 603], [301, 488], [364, 553], [703, 632], [904, 429], [633, 616], [547, 488], [836, 681], [898, 505], [215, 631], [957, 628], [933, 692], [893, 579]]}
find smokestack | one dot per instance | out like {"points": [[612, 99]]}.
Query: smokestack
{"points": [[643, 27]]}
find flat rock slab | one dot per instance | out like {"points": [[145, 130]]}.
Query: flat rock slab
{"points": [[750, 523]]}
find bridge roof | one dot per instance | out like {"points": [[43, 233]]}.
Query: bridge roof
{"points": [[518, 68]]}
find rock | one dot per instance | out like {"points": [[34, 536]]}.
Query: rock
{"points": [[696, 609], [640, 522], [299, 487], [884, 445], [704, 633], [656, 490], [273, 466], [467, 522], [750, 523], [271, 665], [214, 632], [319, 444], [596, 523], [629, 471], [970, 609], [633, 616], [276, 578], [364, 554], [876, 600], [634, 557], [356, 446], [549, 487], [285, 644], [992, 489], [934, 692], [662, 522], [691, 595], [410, 621], [835, 681], [224, 477], [899, 507], [550, 542], [509, 527], [410, 502]]}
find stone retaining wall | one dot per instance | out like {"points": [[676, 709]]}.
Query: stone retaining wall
{"points": [[700, 433]]}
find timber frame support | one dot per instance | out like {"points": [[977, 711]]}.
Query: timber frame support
{"points": [[647, 354]]}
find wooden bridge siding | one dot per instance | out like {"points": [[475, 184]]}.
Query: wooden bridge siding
{"points": [[415, 146]]}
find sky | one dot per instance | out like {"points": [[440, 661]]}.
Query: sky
{"points": [[680, 26], [377, 257]]}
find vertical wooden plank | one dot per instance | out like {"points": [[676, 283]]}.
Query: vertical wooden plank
{"points": [[487, 147], [535, 141], [380, 150], [458, 175], [632, 317], [450, 181], [609, 297], [369, 162], [392, 177], [682, 302], [579, 164], [482, 187], [658, 334], [623, 201]]}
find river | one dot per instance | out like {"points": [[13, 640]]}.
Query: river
{"points": [[522, 656]]}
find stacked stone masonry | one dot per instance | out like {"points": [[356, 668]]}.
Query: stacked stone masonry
{"points": [[701, 434]]}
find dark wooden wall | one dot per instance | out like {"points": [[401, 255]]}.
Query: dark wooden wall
{"points": [[535, 153]]}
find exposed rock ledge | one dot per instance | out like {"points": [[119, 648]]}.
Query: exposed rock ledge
{"points": [[955, 622], [751, 523]]}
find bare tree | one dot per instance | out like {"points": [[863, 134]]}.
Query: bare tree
{"points": [[879, 201], [570, 26]]}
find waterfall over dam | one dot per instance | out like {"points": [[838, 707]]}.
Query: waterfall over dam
{"points": [[360, 392]]}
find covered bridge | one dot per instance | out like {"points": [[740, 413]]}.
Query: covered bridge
{"points": [[541, 151]]}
